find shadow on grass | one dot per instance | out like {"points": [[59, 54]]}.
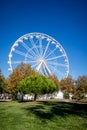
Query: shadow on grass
{"points": [[48, 109]]}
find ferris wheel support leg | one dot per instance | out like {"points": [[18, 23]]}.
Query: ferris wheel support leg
{"points": [[47, 69], [39, 66]]}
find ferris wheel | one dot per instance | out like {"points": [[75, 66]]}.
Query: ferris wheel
{"points": [[42, 52]]}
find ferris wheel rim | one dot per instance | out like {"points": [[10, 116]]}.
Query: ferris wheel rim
{"points": [[45, 36]]}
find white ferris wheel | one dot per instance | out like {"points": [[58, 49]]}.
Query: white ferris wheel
{"points": [[42, 52]]}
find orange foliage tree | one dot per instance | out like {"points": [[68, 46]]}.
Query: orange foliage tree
{"points": [[22, 71]]}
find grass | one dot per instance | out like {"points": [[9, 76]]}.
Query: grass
{"points": [[43, 115]]}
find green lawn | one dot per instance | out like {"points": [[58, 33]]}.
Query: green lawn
{"points": [[45, 115]]}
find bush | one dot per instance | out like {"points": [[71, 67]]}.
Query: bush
{"points": [[66, 95]]}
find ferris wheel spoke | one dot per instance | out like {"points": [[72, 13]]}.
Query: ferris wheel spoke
{"points": [[46, 49], [21, 53], [28, 61], [47, 68], [37, 51], [53, 58], [34, 46], [59, 72], [32, 51], [44, 66], [17, 62], [56, 70], [29, 57], [57, 64], [39, 66], [34, 65], [51, 53], [52, 68], [40, 45], [25, 46], [28, 49]]}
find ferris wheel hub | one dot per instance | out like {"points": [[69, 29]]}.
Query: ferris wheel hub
{"points": [[41, 60]]}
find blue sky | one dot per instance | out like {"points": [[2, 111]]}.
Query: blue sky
{"points": [[65, 20]]}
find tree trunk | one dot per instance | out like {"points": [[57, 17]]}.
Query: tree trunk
{"points": [[35, 97], [22, 97]]}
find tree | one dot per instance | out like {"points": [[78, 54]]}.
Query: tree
{"points": [[37, 84], [22, 71], [81, 86], [55, 80], [2, 82], [67, 85]]}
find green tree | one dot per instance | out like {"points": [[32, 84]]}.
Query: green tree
{"points": [[37, 84], [22, 71], [55, 80]]}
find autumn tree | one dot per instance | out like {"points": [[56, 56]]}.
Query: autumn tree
{"points": [[22, 71], [2, 82], [67, 85], [37, 84], [81, 86]]}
